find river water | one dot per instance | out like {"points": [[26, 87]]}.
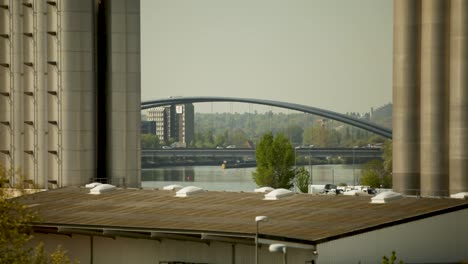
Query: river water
{"points": [[214, 178]]}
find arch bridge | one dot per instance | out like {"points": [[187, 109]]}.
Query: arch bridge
{"points": [[366, 125]]}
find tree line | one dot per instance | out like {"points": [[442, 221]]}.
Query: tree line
{"points": [[245, 130]]}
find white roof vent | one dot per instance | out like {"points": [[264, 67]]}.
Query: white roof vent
{"points": [[188, 191], [460, 195], [172, 187], [264, 190], [92, 185], [386, 197], [278, 194], [101, 188]]}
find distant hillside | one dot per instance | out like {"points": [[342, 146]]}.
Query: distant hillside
{"points": [[382, 115]]}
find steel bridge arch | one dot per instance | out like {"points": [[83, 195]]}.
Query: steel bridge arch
{"points": [[371, 127]]}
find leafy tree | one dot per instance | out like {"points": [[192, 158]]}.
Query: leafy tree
{"points": [[388, 157], [295, 132], [302, 179], [373, 174], [149, 141], [15, 229], [275, 158]]}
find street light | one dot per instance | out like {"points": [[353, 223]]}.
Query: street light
{"points": [[279, 248], [258, 219], [354, 155]]}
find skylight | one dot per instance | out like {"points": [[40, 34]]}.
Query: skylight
{"points": [[278, 194], [102, 188], [189, 191], [386, 197]]}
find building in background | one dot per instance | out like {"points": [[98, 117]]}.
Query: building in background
{"points": [[174, 123], [148, 127], [70, 91]]}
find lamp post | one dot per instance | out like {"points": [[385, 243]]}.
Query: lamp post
{"points": [[258, 219], [279, 248], [354, 175], [310, 164]]}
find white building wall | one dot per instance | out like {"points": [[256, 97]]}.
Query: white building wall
{"points": [[438, 239], [129, 250]]}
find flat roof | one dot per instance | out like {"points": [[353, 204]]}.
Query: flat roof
{"points": [[301, 218]]}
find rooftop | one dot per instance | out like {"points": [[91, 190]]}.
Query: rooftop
{"points": [[301, 218]]}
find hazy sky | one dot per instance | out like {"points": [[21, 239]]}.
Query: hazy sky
{"points": [[332, 54]]}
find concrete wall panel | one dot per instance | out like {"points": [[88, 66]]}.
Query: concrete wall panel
{"points": [[77, 61], [76, 21], [4, 52], [4, 21], [434, 98], [458, 164], [77, 41], [412, 243], [406, 117]]}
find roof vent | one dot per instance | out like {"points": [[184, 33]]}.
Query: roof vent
{"points": [[92, 185], [278, 194], [188, 191], [172, 187], [101, 188], [460, 195], [386, 197], [264, 190]]}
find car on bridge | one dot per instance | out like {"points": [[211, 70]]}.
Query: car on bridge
{"points": [[231, 146]]}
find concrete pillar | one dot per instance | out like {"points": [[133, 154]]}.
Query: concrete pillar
{"points": [[406, 96], [123, 92], [458, 154], [434, 97]]}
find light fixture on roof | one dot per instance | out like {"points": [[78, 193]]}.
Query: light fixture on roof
{"points": [[188, 191], [386, 197], [264, 190], [278, 194], [460, 195], [101, 188], [173, 187], [258, 219], [281, 248]]}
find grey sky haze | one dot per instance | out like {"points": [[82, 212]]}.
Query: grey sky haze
{"points": [[332, 54]]}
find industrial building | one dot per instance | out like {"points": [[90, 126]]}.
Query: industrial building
{"points": [[103, 224], [70, 91], [430, 97]]}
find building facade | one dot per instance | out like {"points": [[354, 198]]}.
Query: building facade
{"points": [[70, 91], [174, 123]]}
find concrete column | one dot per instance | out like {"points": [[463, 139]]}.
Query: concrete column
{"points": [[406, 93], [78, 90], [458, 153], [123, 92], [434, 97]]}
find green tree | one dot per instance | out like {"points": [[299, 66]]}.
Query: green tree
{"points": [[294, 132], [275, 158], [302, 179], [16, 233], [373, 174], [149, 141]]}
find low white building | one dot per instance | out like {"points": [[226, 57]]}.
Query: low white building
{"points": [[156, 226]]}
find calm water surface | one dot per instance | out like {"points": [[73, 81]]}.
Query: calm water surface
{"points": [[214, 178]]}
